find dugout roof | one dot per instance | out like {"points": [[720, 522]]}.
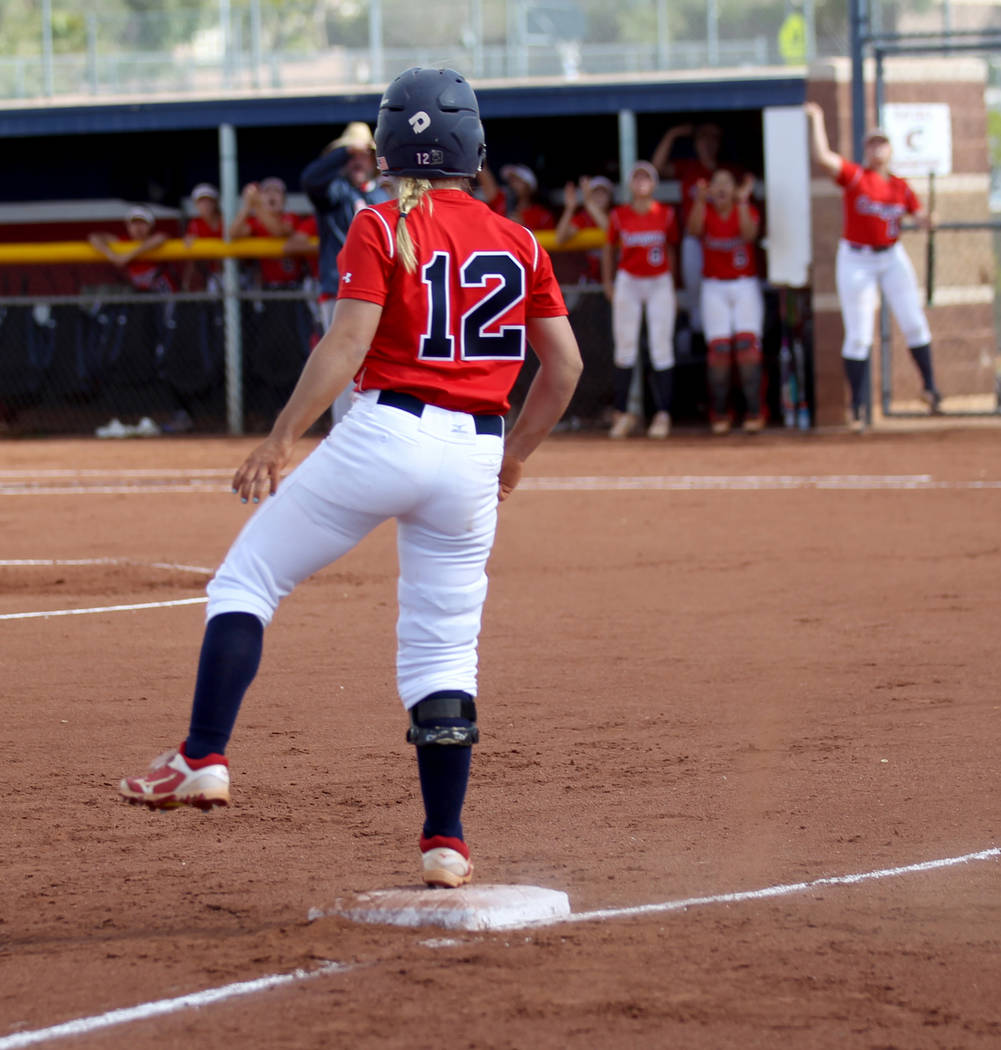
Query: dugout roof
{"points": [[736, 90]]}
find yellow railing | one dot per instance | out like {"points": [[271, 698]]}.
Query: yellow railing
{"points": [[213, 248]]}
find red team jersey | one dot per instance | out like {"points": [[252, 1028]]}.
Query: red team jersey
{"points": [[643, 238], [281, 271], [874, 205], [453, 332], [726, 255], [198, 227]]}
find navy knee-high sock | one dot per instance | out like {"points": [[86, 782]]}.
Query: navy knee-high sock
{"points": [[663, 386], [231, 653], [444, 774], [622, 380], [857, 372], [922, 358]]}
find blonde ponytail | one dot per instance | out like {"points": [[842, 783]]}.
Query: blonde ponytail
{"points": [[410, 195]]}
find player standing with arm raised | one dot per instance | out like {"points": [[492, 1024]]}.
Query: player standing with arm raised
{"points": [[870, 259], [437, 297]]}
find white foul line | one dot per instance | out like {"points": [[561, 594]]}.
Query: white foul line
{"points": [[214, 995], [165, 1006], [48, 562], [782, 890], [102, 608]]}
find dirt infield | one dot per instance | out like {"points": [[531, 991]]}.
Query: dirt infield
{"points": [[707, 668]]}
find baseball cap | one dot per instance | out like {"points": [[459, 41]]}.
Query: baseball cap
{"points": [[648, 168], [357, 135], [139, 212], [272, 182], [599, 182], [876, 133], [519, 171], [204, 189]]}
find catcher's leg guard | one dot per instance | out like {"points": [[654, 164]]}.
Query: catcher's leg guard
{"points": [[443, 726], [718, 373], [747, 350]]}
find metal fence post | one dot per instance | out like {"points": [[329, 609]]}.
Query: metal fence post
{"points": [[229, 192], [47, 79]]}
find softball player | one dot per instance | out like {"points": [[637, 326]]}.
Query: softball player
{"points": [[437, 297], [727, 224], [643, 233], [870, 259]]}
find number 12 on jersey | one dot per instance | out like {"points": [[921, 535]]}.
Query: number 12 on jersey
{"points": [[504, 278]]}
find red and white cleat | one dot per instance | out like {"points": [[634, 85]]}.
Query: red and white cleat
{"points": [[174, 780], [445, 862]]}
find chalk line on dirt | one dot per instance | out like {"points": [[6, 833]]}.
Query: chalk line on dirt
{"points": [[144, 1011], [175, 481], [157, 1008], [58, 562]]}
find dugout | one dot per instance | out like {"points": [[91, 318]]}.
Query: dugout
{"points": [[155, 151]]}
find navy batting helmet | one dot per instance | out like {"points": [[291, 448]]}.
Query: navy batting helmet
{"points": [[429, 126]]}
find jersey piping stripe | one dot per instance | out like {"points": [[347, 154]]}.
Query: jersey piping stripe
{"points": [[390, 241]]}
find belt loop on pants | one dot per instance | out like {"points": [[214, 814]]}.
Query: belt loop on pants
{"points": [[484, 424]]}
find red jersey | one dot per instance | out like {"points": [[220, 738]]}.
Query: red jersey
{"points": [[644, 237], [147, 275], [198, 227], [285, 270], [690, 171], [453, 332], [873, 205], [726, 255], [535, 217]]}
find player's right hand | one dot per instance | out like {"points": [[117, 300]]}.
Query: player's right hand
{"points": [[258, 475], [510, 475]]}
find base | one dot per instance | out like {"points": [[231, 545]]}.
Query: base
{"points": [[467, 908]]}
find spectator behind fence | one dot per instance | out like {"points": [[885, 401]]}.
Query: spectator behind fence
{"points": [[133, 336], [727, 225], [586, 210], [339, 183], [206, 222], [276, 328], [516, 199], [643, 235], [705, 139]]}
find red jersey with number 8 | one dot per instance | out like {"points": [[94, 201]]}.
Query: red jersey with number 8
{"points": [[874, 205], [726, 255], [453, 332], [643, 238]]}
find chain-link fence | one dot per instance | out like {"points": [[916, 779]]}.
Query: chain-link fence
{"points": [[204, 46], [76, 364]]}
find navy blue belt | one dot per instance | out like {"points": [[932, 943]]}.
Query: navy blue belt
{"points": [[869, 247], [484, 424]]}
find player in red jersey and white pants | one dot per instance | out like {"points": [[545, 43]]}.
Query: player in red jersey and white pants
{"points": [[871, 260], [438, 299], [727, 225], [643, 233]]}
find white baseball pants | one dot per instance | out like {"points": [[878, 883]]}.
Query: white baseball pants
{"points": [[438, 478], [631, 295], [860, 275], [733, 306]]}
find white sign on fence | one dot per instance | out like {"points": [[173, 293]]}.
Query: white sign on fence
{"points": [[921, 137]]}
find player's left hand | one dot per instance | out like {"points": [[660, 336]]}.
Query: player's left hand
{"points": [[258, 475], [510, 475], [746, 188]]}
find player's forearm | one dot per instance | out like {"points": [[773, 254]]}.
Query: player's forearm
{"points": [[330, 368], [696, 219], [820, 146], [746, 221]]}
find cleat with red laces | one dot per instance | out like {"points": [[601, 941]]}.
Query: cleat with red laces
{"points": [[175, 780], [445, 862]]}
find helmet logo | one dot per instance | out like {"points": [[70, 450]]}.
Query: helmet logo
{"points": [[420, 121]]}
